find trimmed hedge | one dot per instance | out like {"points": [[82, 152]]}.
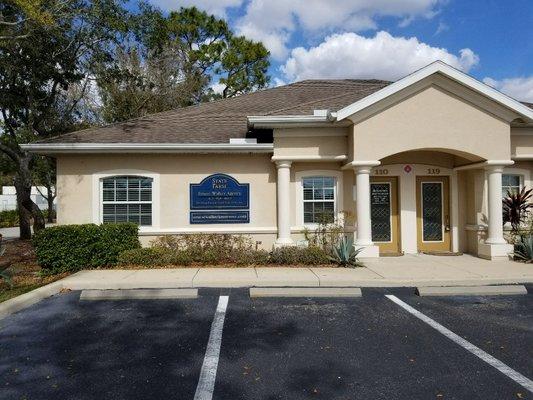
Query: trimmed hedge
{"points": [[161, 256], [153, 257], [299, 255], [74, 247]]}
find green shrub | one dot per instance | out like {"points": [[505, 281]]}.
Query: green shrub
{"points": [[253, 257], [154, 256], [9, 218], [74, 247], [299, 255], [208, 248]]}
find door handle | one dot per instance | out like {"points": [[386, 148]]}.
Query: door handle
{"points": [[447, 223]]}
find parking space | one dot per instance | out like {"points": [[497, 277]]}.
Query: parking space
{"points": [[500, 325], [270, 348], [367, 348], [65, 349]]}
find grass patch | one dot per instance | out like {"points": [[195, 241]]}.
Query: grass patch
{"points": [[8, 293]]}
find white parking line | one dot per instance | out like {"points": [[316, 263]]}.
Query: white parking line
{"points": [[208, 373], [511, 373]]}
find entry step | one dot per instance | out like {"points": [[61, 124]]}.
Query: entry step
{"points": [[471, 290], [138, 294], [304, 292]]}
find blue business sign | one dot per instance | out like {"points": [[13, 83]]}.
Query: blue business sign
{"points": [[224, 199]]}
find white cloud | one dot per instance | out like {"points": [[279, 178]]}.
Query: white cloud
{"points": [[273, 21], [441, 28], [218, 87], [518, 88], [278, 82], [216, 7], [383, 56]]}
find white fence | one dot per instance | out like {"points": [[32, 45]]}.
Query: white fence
{"points": [[8, 198]]}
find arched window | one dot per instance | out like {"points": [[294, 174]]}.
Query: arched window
{"points": [[127, 199]]}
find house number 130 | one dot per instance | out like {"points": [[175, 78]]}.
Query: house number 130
{"points": [[433, 171]]}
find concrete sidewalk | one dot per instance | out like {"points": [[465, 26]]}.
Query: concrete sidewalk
{"points": [[411, 270]]}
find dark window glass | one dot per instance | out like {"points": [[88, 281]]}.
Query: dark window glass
{"points": [[127, 199], [319, 199]]}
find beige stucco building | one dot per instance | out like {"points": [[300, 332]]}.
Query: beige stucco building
{"points": [[418, 165]]}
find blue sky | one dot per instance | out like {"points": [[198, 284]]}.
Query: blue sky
{"points": [[491, 40]]}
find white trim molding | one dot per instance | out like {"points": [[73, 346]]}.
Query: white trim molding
{"points": [[151, 231], [443, 69], [56, 148], [485, 164], [358, 163], [523, 157], [341, 157], [97, 194], [339, 193], [268, 121]]}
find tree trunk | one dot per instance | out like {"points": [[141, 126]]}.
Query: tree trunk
{"points": [[24, 220], [50, 199], [23, 184]]}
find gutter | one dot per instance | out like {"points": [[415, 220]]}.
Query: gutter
{"points": [[59, 148], [319, 118]]}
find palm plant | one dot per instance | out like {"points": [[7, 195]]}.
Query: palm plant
{"points": [[516, 207], [344, 254], [524, 249]]}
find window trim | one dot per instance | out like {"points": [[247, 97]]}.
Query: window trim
{"points": [[520, 180], [339, 194], [97, 195]]}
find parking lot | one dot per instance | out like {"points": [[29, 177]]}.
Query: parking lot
{"points": [[363, 348]]}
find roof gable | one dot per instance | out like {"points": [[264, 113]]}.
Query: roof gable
{"points": [[449, 72]]}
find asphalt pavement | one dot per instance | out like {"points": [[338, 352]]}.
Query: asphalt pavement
{"points": [[266, 348]]}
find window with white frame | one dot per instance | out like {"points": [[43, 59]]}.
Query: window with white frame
{"points": [[127, 199], [510, 183], [319, 196]]}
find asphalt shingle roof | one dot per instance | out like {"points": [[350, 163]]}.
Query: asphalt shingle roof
{"points": [[218, 121]]}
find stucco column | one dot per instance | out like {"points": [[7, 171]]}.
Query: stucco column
{"points": [[495, 229], [284, 205], [495, 246], [362, 182], [362, 201]]}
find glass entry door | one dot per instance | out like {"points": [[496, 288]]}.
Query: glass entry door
{"points": [[433, 213], [384, 214]]}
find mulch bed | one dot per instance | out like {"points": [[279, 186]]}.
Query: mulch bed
{"points": [[20, 263]]}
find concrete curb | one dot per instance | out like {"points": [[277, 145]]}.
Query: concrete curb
{"points": [[472, 290], [27, 299], [138, 294], [305, 292]]}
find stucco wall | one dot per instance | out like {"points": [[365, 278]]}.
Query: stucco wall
{"points": [[522, 142], [76, 190], [298, 142], [432, 119]]}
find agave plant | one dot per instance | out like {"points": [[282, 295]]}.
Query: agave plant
{"points": [[516, 207], [524, 249], [344, 254]]}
